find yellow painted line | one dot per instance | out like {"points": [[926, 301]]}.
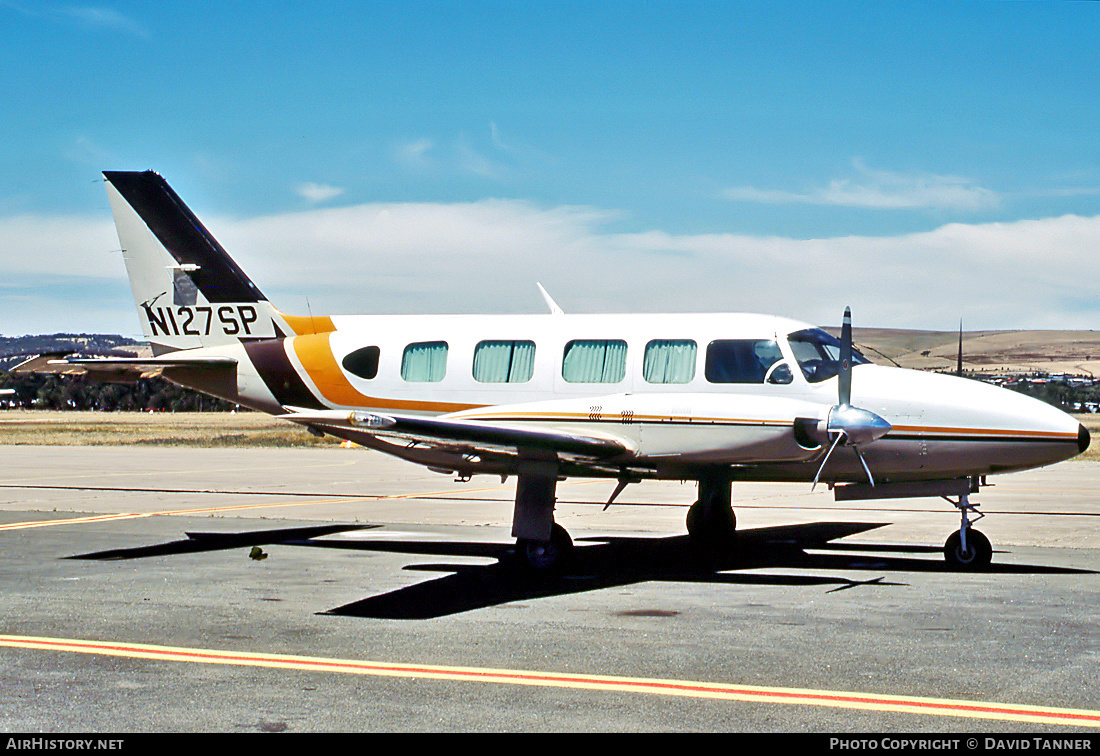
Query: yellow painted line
{"points": [[136, 515], [158, 473], [232, 508], [652, 686], [73, 521]]}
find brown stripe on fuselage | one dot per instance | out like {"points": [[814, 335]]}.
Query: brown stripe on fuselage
{"points": [[271, 362]]}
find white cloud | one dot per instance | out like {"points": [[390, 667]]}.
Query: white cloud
{"points": [[108, 19], [881, 190], [415, 153], [486, 257], [458, 156], [71, 245], [317, 193], [498, 142], [472, 161], [87, 16]]}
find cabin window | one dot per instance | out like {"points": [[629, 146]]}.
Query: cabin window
{"points": [[741, 360], [424, 362], [594, 361], [362, 362], [504, 361], [669, 361]]}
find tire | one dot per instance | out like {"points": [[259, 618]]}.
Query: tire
{"points": [[546, 556], [977, 557], [719, 529]]}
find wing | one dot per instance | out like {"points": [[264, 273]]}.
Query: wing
{"points": [[452, 444]]}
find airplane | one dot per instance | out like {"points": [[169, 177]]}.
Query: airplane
{"points": [[708, 398]]}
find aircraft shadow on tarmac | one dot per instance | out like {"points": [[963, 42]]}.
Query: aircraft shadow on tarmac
{"points": [[196, 542], [597, 563]]}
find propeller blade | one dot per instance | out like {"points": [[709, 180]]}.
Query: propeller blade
{"points": [[959, 367], [845, 375], [839, 438], [848, 425], [866, 469]]}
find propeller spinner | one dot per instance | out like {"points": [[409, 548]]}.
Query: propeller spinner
{"points": [[848, 425]]}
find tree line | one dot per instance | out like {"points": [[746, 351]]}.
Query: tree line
{"points": [[1062, 395]]}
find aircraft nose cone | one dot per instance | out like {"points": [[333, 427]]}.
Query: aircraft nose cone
{"points": [[1083, 438]]}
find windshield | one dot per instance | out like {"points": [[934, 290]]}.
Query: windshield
{"points": [[818, 354]]}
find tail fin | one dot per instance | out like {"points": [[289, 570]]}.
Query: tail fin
{"points": [[189, 291]]}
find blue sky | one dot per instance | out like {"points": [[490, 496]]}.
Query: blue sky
{"points": [[920, 161]]}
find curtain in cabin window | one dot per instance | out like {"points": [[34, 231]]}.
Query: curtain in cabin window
{"points": [[425, 362], [669, 361], [504, 361], [595, 361]]}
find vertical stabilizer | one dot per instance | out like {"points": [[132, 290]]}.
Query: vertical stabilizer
{"points": [[188, 290]]}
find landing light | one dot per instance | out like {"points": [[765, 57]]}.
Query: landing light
{"points": [[370, 420]]}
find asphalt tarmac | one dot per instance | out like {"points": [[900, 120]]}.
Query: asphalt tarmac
{"points": [[157, 589]]}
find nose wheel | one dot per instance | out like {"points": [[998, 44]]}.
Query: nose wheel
{"points": [[975, 555], [967, 548]]}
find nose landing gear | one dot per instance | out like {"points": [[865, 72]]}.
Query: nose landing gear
{"points": [[967, 548]]}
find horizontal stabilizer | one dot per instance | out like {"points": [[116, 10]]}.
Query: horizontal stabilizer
{"points": [[124, 369]]}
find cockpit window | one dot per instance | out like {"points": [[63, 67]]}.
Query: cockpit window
{"points": [[818, 354], [741, 360]]}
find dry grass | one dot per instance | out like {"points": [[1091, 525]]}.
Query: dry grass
{"points": [[1092, 422], [161, 428]]}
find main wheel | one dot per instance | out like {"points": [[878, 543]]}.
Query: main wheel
{"points": [[978, 554], [711, 526], [543, 556]]}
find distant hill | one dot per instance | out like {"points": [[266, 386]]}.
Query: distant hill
{"points": [[1075, 352]]}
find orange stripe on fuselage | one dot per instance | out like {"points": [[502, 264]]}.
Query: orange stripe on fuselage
{"points": [[303, 325], [315, 354], [1007, 432]]}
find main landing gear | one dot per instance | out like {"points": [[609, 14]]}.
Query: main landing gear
{"points": [[542, 545], [711, 522]]}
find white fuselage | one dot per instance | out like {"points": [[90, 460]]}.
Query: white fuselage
{"points": [[674, 415]]}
